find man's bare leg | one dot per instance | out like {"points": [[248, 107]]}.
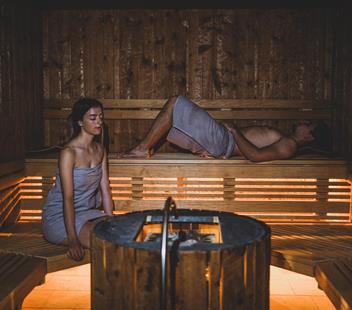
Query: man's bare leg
{"points": [[160, 127]]}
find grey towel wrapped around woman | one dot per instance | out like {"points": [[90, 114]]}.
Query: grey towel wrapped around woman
{"points": [[86, 200], [195, 130]]}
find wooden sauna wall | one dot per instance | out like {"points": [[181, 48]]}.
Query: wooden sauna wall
{"points": [[153, 54], [21, 126], [342, 87]]}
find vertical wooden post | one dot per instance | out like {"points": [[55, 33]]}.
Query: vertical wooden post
{"points": [[322, 194], [137, 188], [229, 189], [180, 184], [350, 181]]}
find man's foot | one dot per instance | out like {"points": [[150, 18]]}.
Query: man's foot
{"points": [[136, 153]]}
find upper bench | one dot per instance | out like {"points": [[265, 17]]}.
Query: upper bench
{"points": [[306, 188], [130, 119]]}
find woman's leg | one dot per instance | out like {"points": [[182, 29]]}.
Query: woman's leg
{"points": [[86, 230], [160, 127]]}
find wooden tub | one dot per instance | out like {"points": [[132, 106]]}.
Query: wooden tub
{"points": [[231, 273]]}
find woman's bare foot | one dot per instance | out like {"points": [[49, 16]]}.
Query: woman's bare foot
{"points": [[136, 153]]}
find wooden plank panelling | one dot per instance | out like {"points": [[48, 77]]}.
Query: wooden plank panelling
{"points": [[301, 190], [120, 113], [342, 84], [203, 54], [20, 81], [10, 194]]}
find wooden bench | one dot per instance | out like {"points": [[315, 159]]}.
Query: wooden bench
{"points": [[26, 238], [305, 231], [11, 176], [130, 119], [335, 278], [20, 235], [302, 247], [297, 197], [19, 274], [302, 198]]}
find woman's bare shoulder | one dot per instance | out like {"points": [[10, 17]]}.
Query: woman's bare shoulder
{"points": [[68, 153]]}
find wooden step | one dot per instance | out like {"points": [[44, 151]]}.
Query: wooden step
{"points": [[335, 278], [19, 274], [26, 238]]}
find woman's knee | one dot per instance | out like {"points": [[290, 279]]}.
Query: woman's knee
{"points": [[84, 234]]}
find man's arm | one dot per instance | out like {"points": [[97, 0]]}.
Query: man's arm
{"points": [[282, 149]]}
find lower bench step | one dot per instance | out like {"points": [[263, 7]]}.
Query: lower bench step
{"points": [[19, 274], [335, 279]]}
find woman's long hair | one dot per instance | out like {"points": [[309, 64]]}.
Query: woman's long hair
{"points": [[80, 107]]}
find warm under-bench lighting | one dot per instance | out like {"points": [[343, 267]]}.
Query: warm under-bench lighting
{"points": [[296, 194]]}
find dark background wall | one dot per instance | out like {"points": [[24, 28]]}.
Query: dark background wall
{"points": [[199, 53], [20, 81], [342, 87], [150, 54], [240, 54]]}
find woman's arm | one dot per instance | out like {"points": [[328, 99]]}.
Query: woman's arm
{"points": [[105, 187], [66, 165]]}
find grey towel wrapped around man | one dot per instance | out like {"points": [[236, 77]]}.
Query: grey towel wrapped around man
{"points": [[195, 130]]}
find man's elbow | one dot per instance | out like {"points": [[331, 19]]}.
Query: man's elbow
{"points": [[286, 154], [255, 158]]}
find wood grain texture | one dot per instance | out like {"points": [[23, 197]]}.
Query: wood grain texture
{"points": [[334, 278], [341, 84], [19, 275], [198, 277], [26, 238], [203, 54], [298, 190], [20, 81], [301, 248]]}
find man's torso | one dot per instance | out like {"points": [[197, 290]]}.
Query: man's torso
{"points": [[260, 136]]}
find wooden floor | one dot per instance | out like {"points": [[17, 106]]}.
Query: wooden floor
{"points": [[295, 247], [70, 289]]}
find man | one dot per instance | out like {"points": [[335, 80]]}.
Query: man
{"points": [[190, 127]]}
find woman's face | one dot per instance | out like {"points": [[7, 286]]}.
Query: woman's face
{"points": [[92, 121]]}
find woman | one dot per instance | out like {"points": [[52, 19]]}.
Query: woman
{"points": [[82, 182]]}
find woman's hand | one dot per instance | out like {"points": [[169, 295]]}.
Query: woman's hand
{"points": [[75, 250]]}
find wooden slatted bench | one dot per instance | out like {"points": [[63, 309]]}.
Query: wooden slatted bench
{"points": [[335, 278], [26, 238], [299, 198], [130, 119], [11, 176], [302, 247], [19, 274]]}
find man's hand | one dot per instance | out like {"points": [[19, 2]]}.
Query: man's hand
{"points": [[75, 250], [232, 128]]}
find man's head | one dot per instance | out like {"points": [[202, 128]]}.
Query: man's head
{"points": [[313, 135]]}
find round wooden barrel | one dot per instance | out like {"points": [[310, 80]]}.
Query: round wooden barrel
{"points": [[226, 266]]}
